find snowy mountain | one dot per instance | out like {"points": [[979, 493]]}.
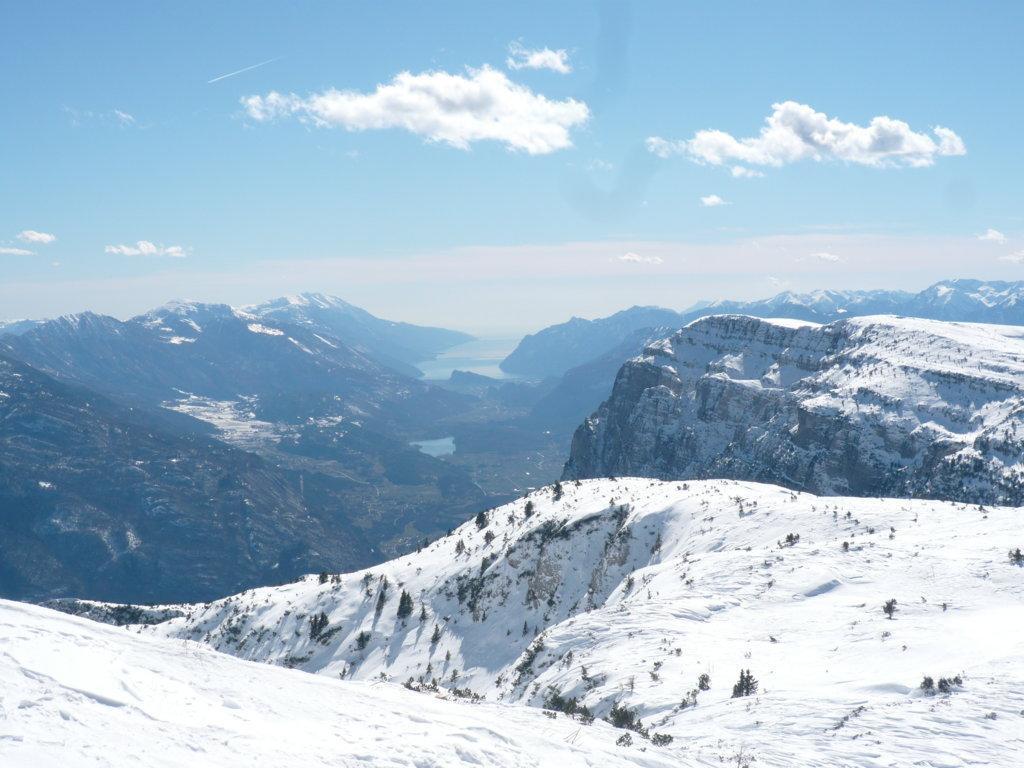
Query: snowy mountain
{"points": [[620, 595], [118, 503], [398, 345], [867, 406], [554, 350], [329, 424], [16, 327], [977, 301], [74, 693], [214, 351]]}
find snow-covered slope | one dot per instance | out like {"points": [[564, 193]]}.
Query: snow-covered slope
{"points": [[624, 592], [867, 406], [74, 693], [398, 345]]}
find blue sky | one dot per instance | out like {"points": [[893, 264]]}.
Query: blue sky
{"points": [[573, 182]]}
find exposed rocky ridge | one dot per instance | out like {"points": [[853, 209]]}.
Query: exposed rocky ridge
{"points": [[870, 406]]}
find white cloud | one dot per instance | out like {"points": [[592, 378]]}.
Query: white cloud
{"points": [[79, 117], [124, 118], [4, 250], [1014, 258], [992, 236], [146, 248], [31, 236], [795, 132], [542, 58], [455, 109], [742, 172], [712, 201], [636, 258], [826, 256]]}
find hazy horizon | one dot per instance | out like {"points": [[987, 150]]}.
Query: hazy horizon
{"points": [[529, 162]]}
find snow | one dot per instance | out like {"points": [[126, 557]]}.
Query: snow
{"points": [[266, 330], [630, 589], [77, 693], [235, 420]]}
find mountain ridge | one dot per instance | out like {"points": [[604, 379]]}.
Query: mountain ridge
{"points": [[618, 595], [866, 406]]}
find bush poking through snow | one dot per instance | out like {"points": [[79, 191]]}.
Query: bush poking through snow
{"points": [[556, 702], [624, 717], [1017, 557], [945, 684], [889, 607]]}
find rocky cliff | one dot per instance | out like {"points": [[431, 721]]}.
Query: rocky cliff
{"points": [[868, 406]]}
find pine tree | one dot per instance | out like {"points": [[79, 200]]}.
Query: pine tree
{"points": [[423, 613], [556, 491], [404, 605], [436, 637], [747, 685], [528, 509], [317, 625], [481, 519]]}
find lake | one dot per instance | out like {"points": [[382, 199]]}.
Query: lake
{"points": [[479, 356], [442, 446]]}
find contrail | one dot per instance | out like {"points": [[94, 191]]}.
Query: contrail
{"points": [[246, 69]]}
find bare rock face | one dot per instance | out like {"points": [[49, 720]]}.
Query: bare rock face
{"points": [[868, 406]]}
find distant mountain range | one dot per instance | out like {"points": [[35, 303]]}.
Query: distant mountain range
{"points": [[397, 345], [872, 406], [308, 407], [282, 368], [321, 470], [558, 348]]}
